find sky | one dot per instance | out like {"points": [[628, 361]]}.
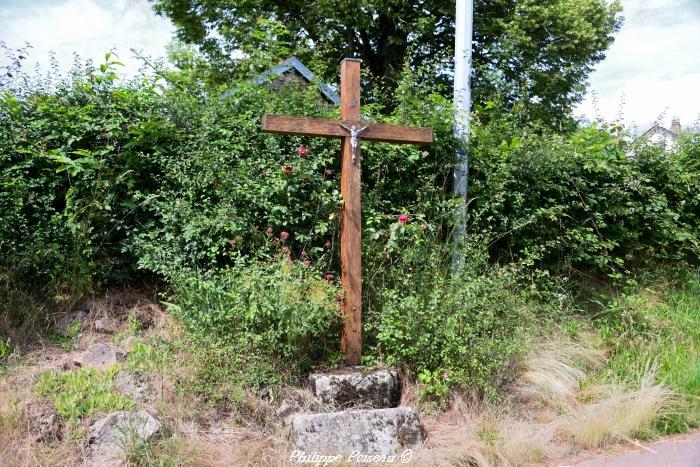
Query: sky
{"points": [[651, 70], [653, 67]]}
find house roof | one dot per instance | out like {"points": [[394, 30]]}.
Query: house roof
{"points": [[293, 63], [658, 128]]}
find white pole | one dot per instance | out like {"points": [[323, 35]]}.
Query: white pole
{"points": [[462, 105]]}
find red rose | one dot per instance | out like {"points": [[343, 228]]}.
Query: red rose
{"points": [[287, 169]]}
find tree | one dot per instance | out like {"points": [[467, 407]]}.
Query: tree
{"points": [[530, 55]]}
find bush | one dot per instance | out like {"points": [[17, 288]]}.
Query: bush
{"points": [[457, 326], [285, 312], [586, 201], [74, 160]]}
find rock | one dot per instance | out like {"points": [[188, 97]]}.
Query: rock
{"points": [[348, 387], [296, 403], [43, 421], [288, 409], [100, 356], [106, 325], [131, 386], [68, 364], [110, 436], [71, 319], [381, 432]]}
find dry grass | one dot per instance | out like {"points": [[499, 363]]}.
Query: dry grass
{"points": [[552, 374], [617, 414], [549, 417]]}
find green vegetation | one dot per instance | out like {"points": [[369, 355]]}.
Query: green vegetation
{"points": [[657, 329], [82, 392]]}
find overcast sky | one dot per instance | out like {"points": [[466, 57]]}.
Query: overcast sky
{"points": [[653, 66]]}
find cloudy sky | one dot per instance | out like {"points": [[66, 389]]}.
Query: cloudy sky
{"points": [[653, 67]]}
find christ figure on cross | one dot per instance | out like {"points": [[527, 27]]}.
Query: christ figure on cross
{"points": [[351, 129]]}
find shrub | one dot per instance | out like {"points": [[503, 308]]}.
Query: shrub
{"points": [[456, 326], [275, 313], [585, 201]]}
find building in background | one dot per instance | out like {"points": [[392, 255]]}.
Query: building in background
{"points": [[663, 137]]}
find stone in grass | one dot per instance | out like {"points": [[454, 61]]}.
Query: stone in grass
{"points": [[131, 385], [354, 387], [111, 436], [74, 318], [100, 356], [43, 421], [380, 432], [106, 325]]}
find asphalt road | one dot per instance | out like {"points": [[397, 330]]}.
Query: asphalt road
{"points": [[681, 451]]}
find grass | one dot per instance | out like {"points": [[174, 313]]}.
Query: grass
{"points": [[617, 414], [82, 392], [659, 328]]}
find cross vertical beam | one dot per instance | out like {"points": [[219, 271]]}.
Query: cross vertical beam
{"points": [[351, 129], [351, 219]]}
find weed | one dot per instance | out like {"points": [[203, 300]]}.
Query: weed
{"points": [[82, 392]]}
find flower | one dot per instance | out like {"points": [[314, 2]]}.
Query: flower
{"points": [[307, 262], [287, 169], [284, 235], [303, 253], [269, 230], [403, 218], [303, 151], [328, 276], [285, 250]]}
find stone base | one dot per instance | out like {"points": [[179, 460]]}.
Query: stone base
{"points": [[111, 435], [382, 432], [353, 387]]}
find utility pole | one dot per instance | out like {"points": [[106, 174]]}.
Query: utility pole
{"points": [[462, 106]]}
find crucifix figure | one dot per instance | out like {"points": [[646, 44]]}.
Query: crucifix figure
{"points": [[350, 128]]}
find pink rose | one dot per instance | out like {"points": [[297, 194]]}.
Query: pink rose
{"points": [[303, 151], [284, 235], [403, 218], [307, 262], [285, 250], [327, 276]]}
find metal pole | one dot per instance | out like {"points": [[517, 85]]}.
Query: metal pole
{"points": [[462, 106]]}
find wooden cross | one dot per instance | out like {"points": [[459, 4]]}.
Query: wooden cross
{"points": [[350, 128]]}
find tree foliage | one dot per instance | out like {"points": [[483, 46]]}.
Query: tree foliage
{"points": [[531, 55]]}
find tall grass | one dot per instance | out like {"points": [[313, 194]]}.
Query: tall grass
{"points": [[665, 334]]}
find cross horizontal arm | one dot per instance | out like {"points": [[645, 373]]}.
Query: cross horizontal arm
{"points": [[331, 129]]}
